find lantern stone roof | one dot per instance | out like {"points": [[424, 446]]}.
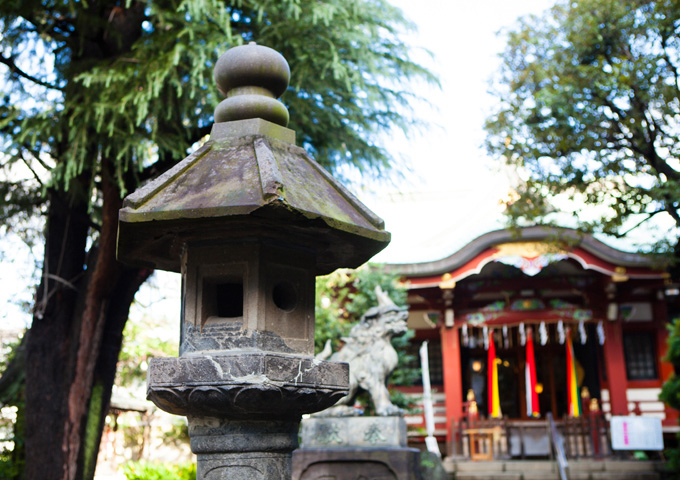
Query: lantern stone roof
{"points": [[248, 180]]}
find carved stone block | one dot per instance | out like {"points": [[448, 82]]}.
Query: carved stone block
{"points": [[355, 448], [356, 464], [372, 432]]}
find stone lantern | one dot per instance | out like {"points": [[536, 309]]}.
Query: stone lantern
{"points": [[249, 219]]}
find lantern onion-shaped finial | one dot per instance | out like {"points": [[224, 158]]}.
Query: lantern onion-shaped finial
{"points": [[252, 77]]}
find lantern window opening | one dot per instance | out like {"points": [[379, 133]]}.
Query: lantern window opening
{"points": [[285, 296], [223, 298]]}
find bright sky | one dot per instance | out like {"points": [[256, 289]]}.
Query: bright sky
{"points": [[452, 194]]}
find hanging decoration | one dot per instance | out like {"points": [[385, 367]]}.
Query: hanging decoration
{"points": [[600, 332], [543, 333], [573, 397], [582, 332], [473, 339], [492, 388], [477, 336], [530, 378]]}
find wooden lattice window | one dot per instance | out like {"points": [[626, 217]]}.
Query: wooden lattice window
{"points": [[640, 353]]}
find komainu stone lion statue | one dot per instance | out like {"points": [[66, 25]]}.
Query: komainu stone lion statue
{"points": [[371, 357]]}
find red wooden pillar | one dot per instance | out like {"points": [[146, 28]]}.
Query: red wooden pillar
{"points": [[616, 368], [453, 385]]}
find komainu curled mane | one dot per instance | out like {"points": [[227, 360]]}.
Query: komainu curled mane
{"points": [[372, 359]]}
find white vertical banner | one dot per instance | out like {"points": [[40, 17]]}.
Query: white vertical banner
{"points": [[430, 440]]}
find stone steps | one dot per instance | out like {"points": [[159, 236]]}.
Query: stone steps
{"points": [[547, 470], [555, 476]]}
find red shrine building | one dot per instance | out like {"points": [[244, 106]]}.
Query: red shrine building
{"points": [[549, 284]]}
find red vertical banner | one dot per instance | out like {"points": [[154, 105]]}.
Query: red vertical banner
{"points": [[492, 390], [573, 398], [530, 377]]}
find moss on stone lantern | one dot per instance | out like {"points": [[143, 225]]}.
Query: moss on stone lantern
{"points": [[249, 219]]}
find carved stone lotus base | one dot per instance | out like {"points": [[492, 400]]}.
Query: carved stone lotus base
{"points": [[244, 408], [247, 385]]}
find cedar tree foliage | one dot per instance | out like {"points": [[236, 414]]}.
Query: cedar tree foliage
{"points": [[99, 96]]}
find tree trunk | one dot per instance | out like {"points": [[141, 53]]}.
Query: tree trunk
{"points": [[48, 351], [129, 281], [75, 339]]}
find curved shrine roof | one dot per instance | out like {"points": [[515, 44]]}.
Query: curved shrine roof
{"points": [[530, 249]]}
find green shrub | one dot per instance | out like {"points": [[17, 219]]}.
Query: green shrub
{"points": [[670, 392], [159, 471]]}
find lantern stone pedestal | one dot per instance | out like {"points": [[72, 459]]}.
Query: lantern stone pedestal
{"points": [[351, 448], [249, 219], [244, 409]]}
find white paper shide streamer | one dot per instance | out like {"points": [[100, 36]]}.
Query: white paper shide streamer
{"points": [[543, 333], [582, 332], [560, 332], [600, 332]]}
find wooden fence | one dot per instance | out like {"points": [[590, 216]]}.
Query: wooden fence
{"points": [[587, 436]]}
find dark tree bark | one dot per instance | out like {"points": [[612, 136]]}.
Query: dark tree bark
{"points": [[117, 93], [75, 339], [49, 351], [122, 295]]}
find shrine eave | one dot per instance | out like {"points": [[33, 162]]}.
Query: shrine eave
{"points": [[589, 252]]}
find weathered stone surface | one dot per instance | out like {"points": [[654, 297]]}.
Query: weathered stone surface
{"points": [[371, 432], [251, 185], [245, 385], [244, 466], [354, 448], [230, 336], [356, 464], [249, 219], [211, 434], [251, 126], [242, 449], [251, 77], [372, 358], [248, 295]]}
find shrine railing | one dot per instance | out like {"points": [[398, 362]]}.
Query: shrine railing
{"points": [[587, 436]]}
